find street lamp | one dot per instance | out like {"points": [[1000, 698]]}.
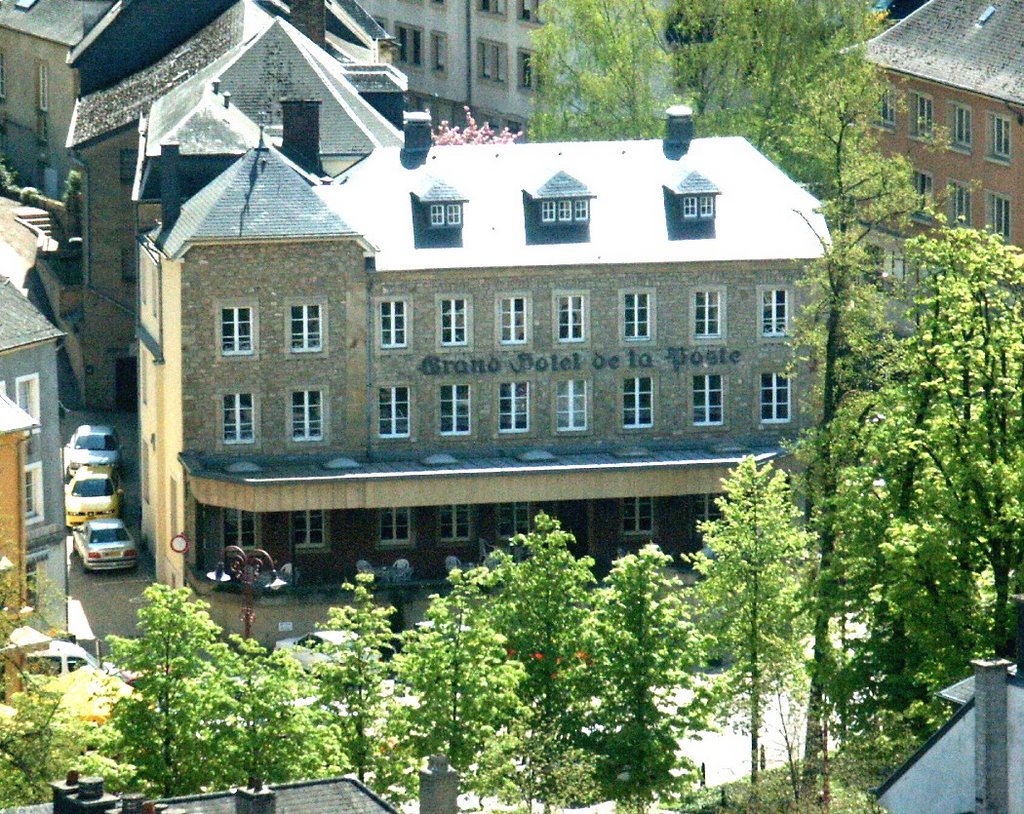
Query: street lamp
{"points": [[246, 567]]}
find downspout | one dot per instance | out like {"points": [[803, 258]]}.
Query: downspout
{"points": [[469, 53]]}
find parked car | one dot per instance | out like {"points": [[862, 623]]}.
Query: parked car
{"points": [[310, 649], [93, 493], [105, 544], [92, 445], [60, 657]]}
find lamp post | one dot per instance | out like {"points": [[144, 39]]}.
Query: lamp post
{"points": [[246, 567]]}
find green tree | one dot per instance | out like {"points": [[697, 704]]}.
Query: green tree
{"points": [[752, 593], [601, 70], [354, 688], [645, 653], [454, 663], [176, 711]]}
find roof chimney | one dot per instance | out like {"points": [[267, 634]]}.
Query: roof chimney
{"points": [[132, 803], [61, 790], [255, 800], [678, 128], [170, 190], [416, 125], [301, 139], [991, 786], [91, 798], [439, 787], [310, 17]]}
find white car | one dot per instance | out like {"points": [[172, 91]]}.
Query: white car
{"points": [[92, 445], [310, 649], [60, 657]]}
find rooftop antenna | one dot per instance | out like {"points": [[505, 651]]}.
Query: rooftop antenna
{"points": [[262, 120]]}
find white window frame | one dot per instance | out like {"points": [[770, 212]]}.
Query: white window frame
{"points": [[445, 214], [26, 395], [459, 398], [233, 342], [637, 515], [691, 207], [573, 305], [960, 203], [962, 135], [999, 138], [708, 312], [998, 213], [513, 319], [455, 523], [548, 211], [774, 312], [393, 324], [637, 315], [233, 419], [707, 206], [451, 320], [776, 395], [238, 525], [637, 390], [571, 405], [389, 523], [34, 497], [310, 336], [308, 523], [307, 415], [922, 117], [513, 407], [389, 411], [707, 398]]}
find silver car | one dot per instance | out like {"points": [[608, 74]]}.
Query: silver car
{"points": [[92, 445], [105, 544]]}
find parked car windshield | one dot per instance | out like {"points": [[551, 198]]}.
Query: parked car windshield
{"points": [[106, 536], [93, 487], [96, 442]]}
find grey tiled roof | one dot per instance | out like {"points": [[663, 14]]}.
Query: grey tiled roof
{"points": [[433, 190], [943, 41], [362, 18], [21, 323], [693, 183], [338, 795], [55, 20], [261, 196], [561, 185]]}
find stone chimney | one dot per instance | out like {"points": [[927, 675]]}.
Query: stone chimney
{"points": [[301, 138], [61, 791], [678, 128], [439, 787], [170, 188], [132, 803], [255, 799], [416, 126], [991, 785], [91, 798], [310, 17]]}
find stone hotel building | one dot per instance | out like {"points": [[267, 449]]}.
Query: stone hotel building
{"points": [[407, 361]]}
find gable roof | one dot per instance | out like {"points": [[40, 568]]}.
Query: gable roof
{"points": [[944, 42], [60, 21], [561, 185], [261, 196], [433, 190], [339, 795], [693, 183], [22, 322]]}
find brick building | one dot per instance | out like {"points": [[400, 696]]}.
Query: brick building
{"points": [[956, 108], [409, 361]]}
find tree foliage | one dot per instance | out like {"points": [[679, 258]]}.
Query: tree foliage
{"points": [[472, 133]]}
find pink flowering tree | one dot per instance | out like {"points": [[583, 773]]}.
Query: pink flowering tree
{"points": [[473, 133]]}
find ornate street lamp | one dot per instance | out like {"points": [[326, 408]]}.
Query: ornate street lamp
{"points": [[246, 567]]}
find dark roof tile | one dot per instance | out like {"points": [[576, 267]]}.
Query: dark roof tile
{"points": [[561, 185], [62, 21], [22, 323]]}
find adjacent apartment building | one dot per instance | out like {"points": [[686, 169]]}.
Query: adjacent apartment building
{"points": [[395, 369], [955, 108]]}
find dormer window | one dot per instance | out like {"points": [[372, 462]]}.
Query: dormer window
{"points": [[698, 206], [558, 211], [690, 207], [446, 214], [575, 210], [436, 214]]}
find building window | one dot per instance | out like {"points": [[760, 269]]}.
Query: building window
{"points": [[636, 315], [922, 116], [393, 412], [689, 206], [44, 88], [492, 60], [455, 409], [998, 137], [307, 415], [887, 110], [239, 528], [528, 11], [774, 398], [637, 515], [306, 329], [637, 402], [525, 70], [959, 203], [26, 394], [492, 6], [512, 319], [707, 206], [126, 165], [238, 424], [392, 324], [236, 331], [707, 400], [34, 492], [924, 186], [308, 530], [446, 214], [394, 527], [997, 214], [961, 135], [410, 42], [571, 405], [514, 407], [707, 314], [438, 51], [455, 523], [453, 315], [774, 312], [571, 316], [513, 519]]}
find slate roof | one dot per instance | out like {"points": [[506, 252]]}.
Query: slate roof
{"points": [[561, 185], [761, 214], [22, 323], [261, 196], [693, 183], [207, 127], [360, 17], [433, 190], [963, 691], [61, 21], [337, 795], [943, 42]]}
